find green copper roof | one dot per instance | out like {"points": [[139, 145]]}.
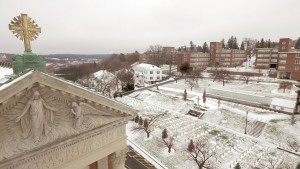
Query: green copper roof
{"points": [[27, 61]]}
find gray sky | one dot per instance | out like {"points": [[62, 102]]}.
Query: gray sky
{"points": [[114, 26]]}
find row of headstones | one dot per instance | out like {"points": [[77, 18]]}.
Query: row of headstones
{"points": [[241, 156], [185, 129], [184, 124], [191, 135], [279, 144], [165, 122], [265, 158]]}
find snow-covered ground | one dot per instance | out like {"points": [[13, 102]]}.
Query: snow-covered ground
{"points": [[224, 126]]}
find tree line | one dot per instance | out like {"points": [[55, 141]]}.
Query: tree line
{"points": [[113, 63]]}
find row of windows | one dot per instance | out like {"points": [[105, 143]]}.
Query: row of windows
{"points": [[199, 59], [158, 72], [199, 63], [281, 67], [151, 78], [297, 62], [263, 60], [261, 64], [283, 55]]}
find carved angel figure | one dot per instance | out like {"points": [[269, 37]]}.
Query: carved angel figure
{"points": [[36, 117], [81, 109]]}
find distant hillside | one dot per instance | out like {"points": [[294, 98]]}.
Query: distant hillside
{"points": [[77, 56], [66, 56]]}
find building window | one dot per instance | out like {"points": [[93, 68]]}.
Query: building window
{"points": [[151, 78], [281, 67], [282, 61], [158, 77], [298, 55], [158, 72], [297, 62], [283, 55], [151, 72], [297, 68]]}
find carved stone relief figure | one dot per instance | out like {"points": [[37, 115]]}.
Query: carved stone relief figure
{"points": [[82, 109], [36, 117]]}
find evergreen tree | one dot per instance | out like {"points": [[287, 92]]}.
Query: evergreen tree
{"points": [[229, 44], [179, 49], [205, 48], [237, 166], [146, 123], [232, 43], [242, 46], [136, 120], [235, 45], [257, 45], [223, 43], [164, 134], [192, 46], [191, 146], [199, 49], [297, 45], [204, 97], [262, 43], [269, 44], [185, 95], [273, 45], [141, 121]]}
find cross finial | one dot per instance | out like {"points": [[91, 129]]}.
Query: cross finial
{"points": [[26, 29]]}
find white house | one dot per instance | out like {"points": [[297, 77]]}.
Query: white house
{"points": [[146, 73], [283, 104]]}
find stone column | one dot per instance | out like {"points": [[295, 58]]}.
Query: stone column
{"points": [[118, 159]]}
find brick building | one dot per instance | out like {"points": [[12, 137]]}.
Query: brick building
{"points": [[226, 57], [196, 60], [284, 59], [266, 58]]}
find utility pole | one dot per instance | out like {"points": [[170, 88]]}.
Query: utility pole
{"points": [[297, 100]]}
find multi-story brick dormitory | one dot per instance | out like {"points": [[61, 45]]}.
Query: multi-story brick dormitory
{"points": [[284, 59], [226, 57]]}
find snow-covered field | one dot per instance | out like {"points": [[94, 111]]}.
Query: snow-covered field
{"points": [[224, 127]]}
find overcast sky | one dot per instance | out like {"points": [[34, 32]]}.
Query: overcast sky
{"points": [[114, 26]]}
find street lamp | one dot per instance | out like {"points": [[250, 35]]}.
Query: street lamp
{"points": [[246, 122]]}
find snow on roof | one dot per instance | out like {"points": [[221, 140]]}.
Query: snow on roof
{"points": [[147, 66], [104, 75], [5, 71], [283, 103]]}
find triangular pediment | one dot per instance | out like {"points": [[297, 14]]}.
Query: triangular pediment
{"points": [[38, 109]]}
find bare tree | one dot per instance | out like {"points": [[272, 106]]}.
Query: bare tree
{"points": [[126, 78], [246, 76], [191, 83], [104, 82], [285, 85], [200, 152], [155, 51], [146, 125], [168, 140], [221, 74]]}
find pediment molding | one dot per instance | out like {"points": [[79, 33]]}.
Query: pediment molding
{"points": [[67, 112], [26, 82]]}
